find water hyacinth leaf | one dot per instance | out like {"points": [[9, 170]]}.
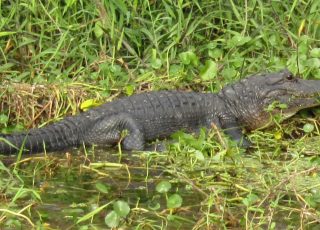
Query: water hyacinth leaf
{"points": [[315, 52], [313, 63], [112, 219], [163, 187], [238, 40], [170, 217], [228, 73], [314, 199], [189, 58], [175, 70], [209, 71], [215, 53], [308, 128], [174, 201], [121, 208], [156, 63], [184, 58]]}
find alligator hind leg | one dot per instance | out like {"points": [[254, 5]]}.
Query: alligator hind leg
{"points": [[109, 130]]}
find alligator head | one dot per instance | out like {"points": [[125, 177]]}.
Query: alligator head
{"points": [[254, 100]]}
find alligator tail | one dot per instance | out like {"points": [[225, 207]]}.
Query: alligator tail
{"points": [[58, 136]]}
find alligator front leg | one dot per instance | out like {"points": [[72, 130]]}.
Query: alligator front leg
{"points": [[234, 131], [110, 130]]}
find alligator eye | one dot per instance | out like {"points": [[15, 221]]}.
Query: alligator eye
{"points": [[289, 76]]}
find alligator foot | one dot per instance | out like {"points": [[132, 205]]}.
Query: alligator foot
{"points": [[156, 147]]}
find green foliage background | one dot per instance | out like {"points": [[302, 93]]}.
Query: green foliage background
{"points": [[111, 42]]}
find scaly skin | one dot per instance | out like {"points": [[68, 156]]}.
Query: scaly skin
{"points": [[156, 115]]}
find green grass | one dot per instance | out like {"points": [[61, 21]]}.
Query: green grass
{"points": [[56, 55]]}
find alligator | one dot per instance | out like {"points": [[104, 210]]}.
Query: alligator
{"points": [[137, 120]]}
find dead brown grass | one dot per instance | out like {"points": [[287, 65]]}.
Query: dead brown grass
{"points": [[32, 105]]}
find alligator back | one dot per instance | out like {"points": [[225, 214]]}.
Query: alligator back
{"points": [[153, 114], [161, 113]]}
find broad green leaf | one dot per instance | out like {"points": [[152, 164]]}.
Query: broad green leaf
{"points": [[3, 119], [209, 71], [112, 219], [314, 199], [89, 104], [129, 90], [278, 135], [308, 128], [189, 58], [215, 53], [163, 186], [282, 106], [199, 155], [156, 63], [171, 217], [175, 70], [98, 31], [228, 73], [238, 40], [276, 104], [121, 208], [313, 63], [303, 47], [102, 187], [315, 52], [250, 199], [174, 201], [184, 57]]}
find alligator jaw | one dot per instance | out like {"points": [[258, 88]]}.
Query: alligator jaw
{"points": [[305, 95], [258, 98]]}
